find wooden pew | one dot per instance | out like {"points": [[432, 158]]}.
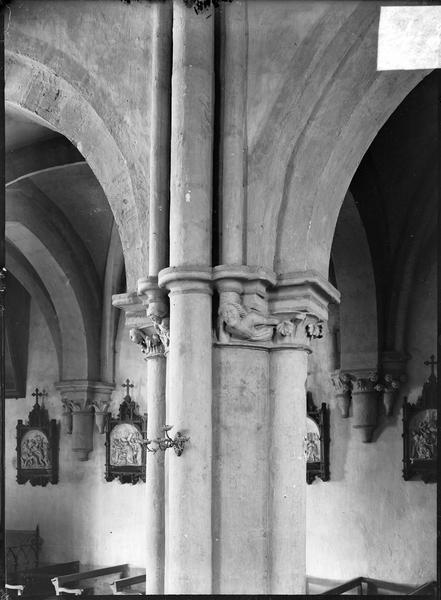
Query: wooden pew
{"points": [[22, 553], [37, 581], [119, 587], [22, 549], [58, 582], [18, 588]]}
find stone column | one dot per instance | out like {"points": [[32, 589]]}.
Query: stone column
{"points": [[188, 520], [156, 419], [240, 430], [300, 302], [188, 517], [233, 129], [287, 488], [148, 329]]}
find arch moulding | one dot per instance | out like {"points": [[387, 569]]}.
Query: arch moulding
{"points": [[45, 96]]}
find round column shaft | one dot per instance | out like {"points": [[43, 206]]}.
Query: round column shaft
{"points": [[156, 374], [233, 106], [189, 385], [287, 503], [188, 544], [191, 138]]}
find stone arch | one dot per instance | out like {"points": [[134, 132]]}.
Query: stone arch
{"points": [[25, 273], [418, 234], [56, 253], [44, 95], [355, 280], [109, 324], [75, 363], [332, 104]]}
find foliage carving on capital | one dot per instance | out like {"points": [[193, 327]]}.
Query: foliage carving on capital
{"points": [[368, 384], [314, 330], [161, 323], [150, 345], [342, 386], [300, 329]]}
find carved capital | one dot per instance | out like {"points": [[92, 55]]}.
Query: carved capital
{"points": [[244, 284], [238, 322], [150, 344], [85, 402], [367, 384], [342, 382], [83, 394], [298, 328], [146, 314], [342, 386]]}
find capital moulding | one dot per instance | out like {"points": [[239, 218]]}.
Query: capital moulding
{"points": [[244, 273], [238, 322], [85, 403], [303, 291], [363, 388], [187, 279], [134, 309], [151, 343]]}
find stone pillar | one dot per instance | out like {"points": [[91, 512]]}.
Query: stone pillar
{"points": [[300, 302], [188, 521], [148, 328], [287, 505], [188, 518], [157, 313], [156, 374], [264, 331], [233, 129], [240, 426]]}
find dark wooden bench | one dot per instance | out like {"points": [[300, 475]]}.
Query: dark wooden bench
{"points": [[74, 579], [120, 586], [366, 586], [37, 582], [22, 554]]}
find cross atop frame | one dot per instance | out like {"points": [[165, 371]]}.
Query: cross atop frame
{"points": [[431, 363], [127, 385], [37, 394]]}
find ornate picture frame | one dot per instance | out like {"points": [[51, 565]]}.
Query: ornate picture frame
{"points": [[316, 443], [125, 448], [37, 446], [420, 451]]}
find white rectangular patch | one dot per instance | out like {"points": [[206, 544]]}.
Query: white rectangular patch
{"points": [[409, 37]]}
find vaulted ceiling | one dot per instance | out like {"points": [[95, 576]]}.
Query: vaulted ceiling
{"points": [[395, 189], [60, 233]]}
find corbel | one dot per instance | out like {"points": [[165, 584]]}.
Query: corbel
{"points": [[80, 399], [146, 317]]}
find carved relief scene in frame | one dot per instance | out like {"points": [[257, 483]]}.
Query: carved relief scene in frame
{"points": [[125, 451], [37, 446], [420, 449], [316, 442]]}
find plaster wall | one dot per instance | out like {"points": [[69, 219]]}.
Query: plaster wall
{"points": [[367, 520], [82, 517]]}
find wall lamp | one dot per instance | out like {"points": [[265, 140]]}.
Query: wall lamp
{"points": [[145, 441], [166, 442]]}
